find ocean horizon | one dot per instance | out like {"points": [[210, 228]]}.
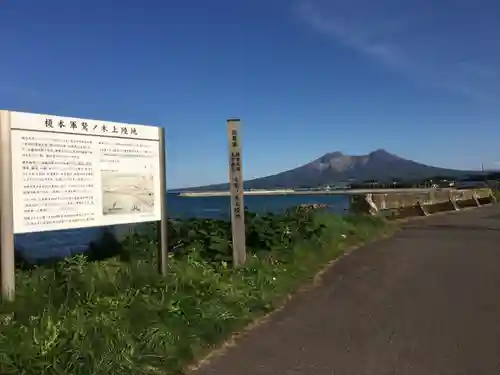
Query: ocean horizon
{"points": [[63, 243]]}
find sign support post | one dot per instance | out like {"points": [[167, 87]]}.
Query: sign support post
{"points": [[236, 191], [163, 223], [8, 265]]}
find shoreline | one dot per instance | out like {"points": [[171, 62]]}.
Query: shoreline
{"points": [[200, 194]]}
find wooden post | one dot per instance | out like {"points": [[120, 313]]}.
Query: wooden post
{"points": [[7, 259], [236, 192]]}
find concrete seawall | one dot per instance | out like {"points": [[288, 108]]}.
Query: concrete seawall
{"points": [[399, 203], [387, 202], [307, 192]]}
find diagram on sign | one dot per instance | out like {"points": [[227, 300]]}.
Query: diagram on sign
{"points": [[127, 193]]}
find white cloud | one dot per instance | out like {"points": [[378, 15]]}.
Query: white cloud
{"points": [[406, 39]]}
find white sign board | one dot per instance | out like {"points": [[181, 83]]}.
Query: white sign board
{"points": [[236, 192], [75, 173]]}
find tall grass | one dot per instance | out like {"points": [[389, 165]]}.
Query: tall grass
{"points": [[114, 317]]}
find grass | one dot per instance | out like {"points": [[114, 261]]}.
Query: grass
{"points": [[114, 317]]}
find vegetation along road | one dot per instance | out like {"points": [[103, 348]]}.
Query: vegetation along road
{"points": [[423, 302]]}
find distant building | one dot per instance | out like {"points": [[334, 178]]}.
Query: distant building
{"points": [[337, 186], [343, 185]]}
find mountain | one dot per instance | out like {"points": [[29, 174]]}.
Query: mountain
{"points": [[336, 167]]}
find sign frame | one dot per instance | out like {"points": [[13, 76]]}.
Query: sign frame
{"points": [[163, 223], [236, 191], [7, 248], [7, 258], [77, 173]]}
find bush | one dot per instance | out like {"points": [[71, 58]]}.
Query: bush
{"points": [[120, 317]]}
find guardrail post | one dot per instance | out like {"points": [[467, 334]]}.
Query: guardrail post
{"points": [[453, 202], [493, 197], [476, 199], [373, 209], [422, 208]]}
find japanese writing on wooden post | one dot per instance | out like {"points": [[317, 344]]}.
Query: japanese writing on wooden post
{"points": [[236, 192]]}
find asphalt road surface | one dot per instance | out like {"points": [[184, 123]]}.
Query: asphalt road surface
{"points": [[425, 302]]}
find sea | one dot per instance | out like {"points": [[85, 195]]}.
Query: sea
{"points": [[55, 244]]}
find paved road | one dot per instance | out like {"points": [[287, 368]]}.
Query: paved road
{"points": [[425, 302]]}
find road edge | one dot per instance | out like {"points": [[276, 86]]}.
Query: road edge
{"points": [[313, 283]]}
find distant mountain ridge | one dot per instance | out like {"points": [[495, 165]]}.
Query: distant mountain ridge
{"points": [[335, 167]]}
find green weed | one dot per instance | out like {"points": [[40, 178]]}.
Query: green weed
{"points": [[120, 317]]}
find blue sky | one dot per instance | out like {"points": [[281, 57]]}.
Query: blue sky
{"points": [[420, 78]]}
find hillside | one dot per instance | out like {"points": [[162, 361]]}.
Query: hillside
{"points": [[336, 167]]}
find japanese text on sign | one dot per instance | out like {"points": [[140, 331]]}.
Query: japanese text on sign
{"points": [[75, 173], [234, 138], [71, 125], [236, 168], [236, 177], [84, 127], [237, 192]]}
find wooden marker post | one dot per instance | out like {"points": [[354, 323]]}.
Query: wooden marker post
{"points": [[236, 192]]}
